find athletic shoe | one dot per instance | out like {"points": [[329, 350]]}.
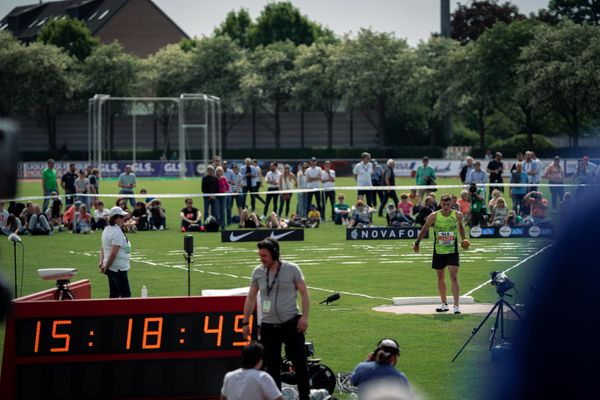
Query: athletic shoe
{"points": [[183, 229], [442, 308], [456, 310], [161, 228]]}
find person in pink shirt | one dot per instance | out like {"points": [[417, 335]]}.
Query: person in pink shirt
{"points": [[405, 205], [224, 187]]}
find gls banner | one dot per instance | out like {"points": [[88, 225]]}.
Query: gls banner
{"points": [[383, 233], [534, 231], [260, 234]]}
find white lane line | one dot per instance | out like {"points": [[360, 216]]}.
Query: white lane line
{"points": [[511, 268]]}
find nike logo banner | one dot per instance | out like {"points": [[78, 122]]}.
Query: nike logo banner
{"points": [[256, 235], [383, 233]]}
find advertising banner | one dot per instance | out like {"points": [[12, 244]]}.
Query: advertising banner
{"points": [[525, 231], [383, 233], [256, 235]]}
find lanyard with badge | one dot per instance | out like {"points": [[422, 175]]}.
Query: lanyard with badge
{"points": [[266, 303]]}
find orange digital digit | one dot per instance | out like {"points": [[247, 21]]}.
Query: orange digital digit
{"points": [[218, 331], [36, 346], [155, 332], [239, 328], [129, 327], [62, 336]]}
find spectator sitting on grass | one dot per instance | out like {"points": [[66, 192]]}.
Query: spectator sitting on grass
{"points": [[455, 206], [538, 208], [38, 223], [12, 224], [249, 219], [499, 212], [405, 205], [69, 215], [395, 216], [54, 211], [427, 208], [140, 216], [83, 220], [314, 217], [495, 196], [100, 216], [514, 219], [190, 217], [26, 214], [341, 211], [296, 221], [274, 222], [158, 217], [361, 216]]}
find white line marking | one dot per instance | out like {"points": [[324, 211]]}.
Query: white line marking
{"points": [[513, 267]]}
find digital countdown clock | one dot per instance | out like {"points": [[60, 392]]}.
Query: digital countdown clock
{"points": [[171, 347]]}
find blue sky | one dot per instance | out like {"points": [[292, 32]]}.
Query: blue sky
{"points": [[413, 20]]}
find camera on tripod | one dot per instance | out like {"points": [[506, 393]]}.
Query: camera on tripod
{"points": [[502, 283]]}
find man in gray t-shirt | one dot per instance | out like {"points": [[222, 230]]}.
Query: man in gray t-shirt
{"points": [[127, 183], [279, 283]]}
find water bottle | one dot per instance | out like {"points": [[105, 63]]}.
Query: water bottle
{"points": [[144, 291]]}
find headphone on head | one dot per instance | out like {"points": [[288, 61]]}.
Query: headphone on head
{"points": [[272, 246]]}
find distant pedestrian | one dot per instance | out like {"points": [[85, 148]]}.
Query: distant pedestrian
{"points": [[49, 184], [127, 183]]}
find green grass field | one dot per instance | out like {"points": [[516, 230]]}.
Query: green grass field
{"points": [[368, 273]]}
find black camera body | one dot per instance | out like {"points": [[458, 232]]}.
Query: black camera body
{"points": [[473, 188], [502, 283]]}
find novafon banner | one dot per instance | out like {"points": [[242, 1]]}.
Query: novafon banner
{"points": [[256, 235], [524, 231], [383, 233]]}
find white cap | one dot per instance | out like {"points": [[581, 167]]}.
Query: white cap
{"points": [[117, 211]]}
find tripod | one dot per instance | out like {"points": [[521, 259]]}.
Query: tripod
{"points": [[499, 308], [63, 290]]}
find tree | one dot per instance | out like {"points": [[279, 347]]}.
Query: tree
{"points": [[432, 80], [238, 27], [12, 54], [282, 21], [268, 81], [44, 84], [70, 34], [316, 85], [579, 11], [166, 73], [372, 70], [470, 21], [560, 68], [214, 71], [109, 70], [498, 51]]}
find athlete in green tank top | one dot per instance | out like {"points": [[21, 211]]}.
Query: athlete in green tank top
{"points": [[445, 230], [446, 224]]}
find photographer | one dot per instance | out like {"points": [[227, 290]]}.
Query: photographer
{"points": [[478, 207], [378, 372], [478, 176], [538, 208]]}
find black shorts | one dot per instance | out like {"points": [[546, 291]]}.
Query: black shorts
{"points": [[441, 261]]}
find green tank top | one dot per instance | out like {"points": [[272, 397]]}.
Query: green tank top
{"points": [[445, 232]]}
